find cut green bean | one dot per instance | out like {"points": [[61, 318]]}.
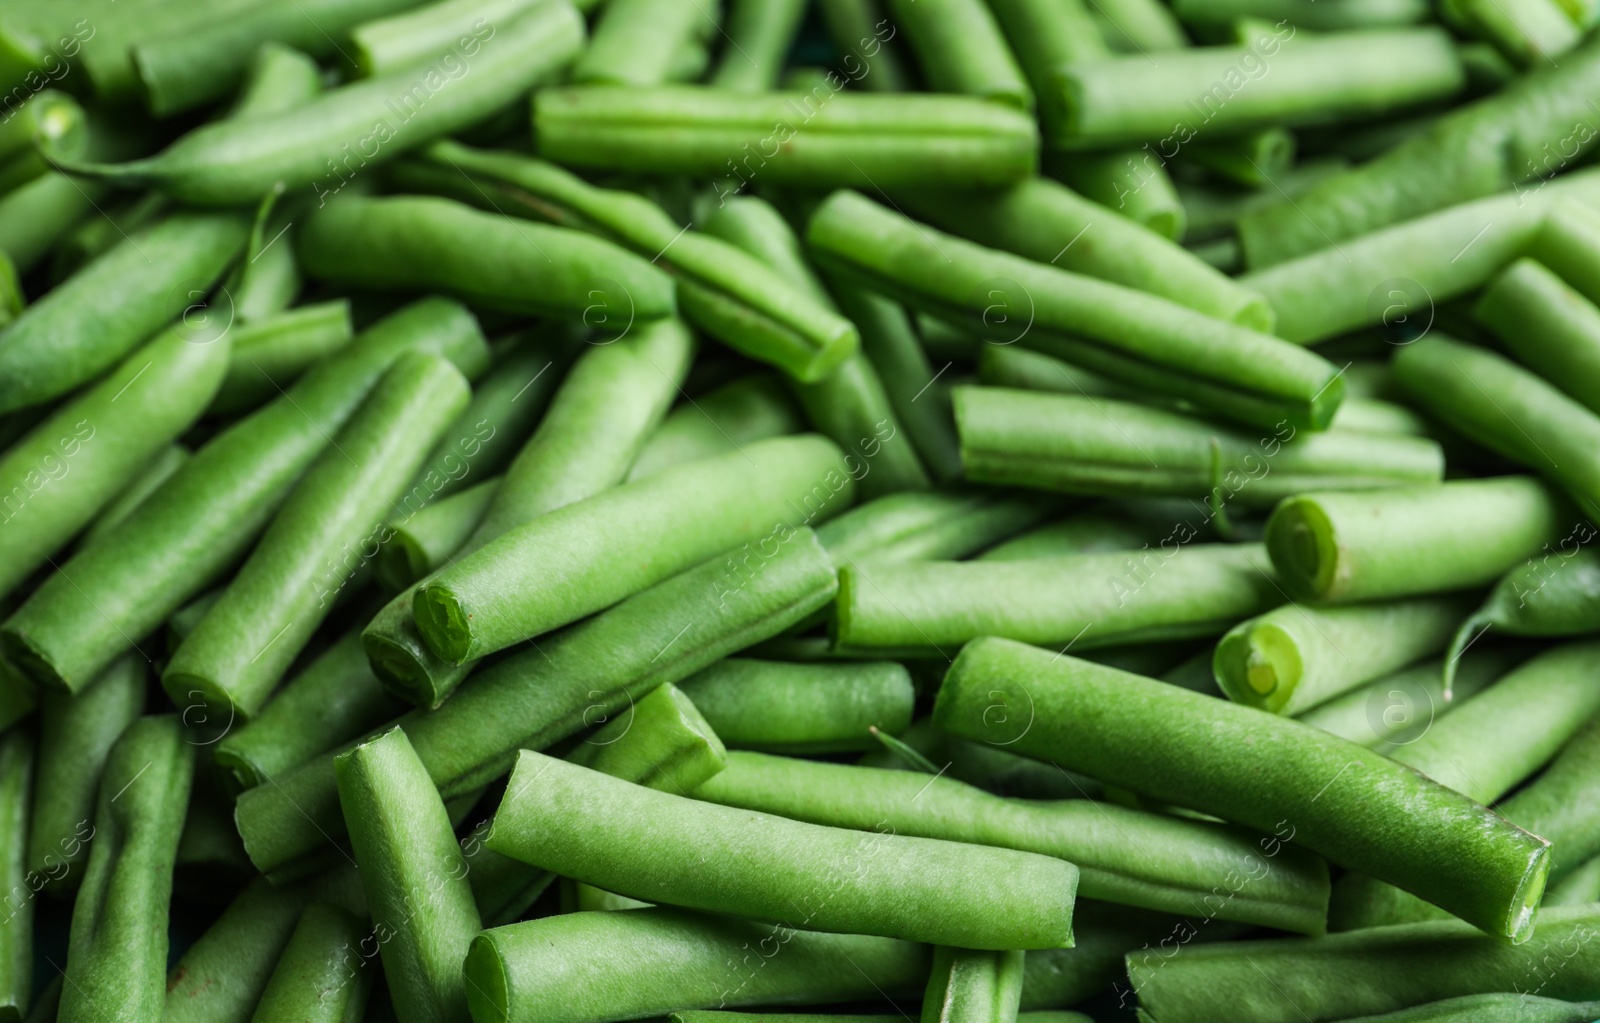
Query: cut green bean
{"points": [[312, 980], [1413, 540], [973, 987], [960, 48], [116, 591], [95, 319], [543, 694], [115, 957], [1077, 444], [1020, 368], [334, 700], [1547, 326], [749, 409], [1111, 526], [34, 216], [1096, 599], [1568, 244], [802, 708], [1397, 709], [423, 543], [239, 651], [866, 38], [635, 41], [760, 34], [162, 466], [1033, 218], [1254, 160], [1294, 658], [1140, 339], [325, 141], [1529, 34], [1139, 25], [16, 931], [1277, 775], [1500, 1008], [1541, 598], [1123, 855], [1579, 888], [1341, 15], [414, 876], [1518, 138], [76, 734], [268, 354], [413, 36], [600, 967], [932, 526], [842, 140], [278, 78], [1058, 977], [611, 399], [579, 825]]}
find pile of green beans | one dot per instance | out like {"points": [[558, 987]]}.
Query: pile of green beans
{"points": [[762, 511]]}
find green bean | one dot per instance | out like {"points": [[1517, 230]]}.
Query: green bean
{"points": [[1538, 599], [334, 700], [749, 409], [1294, 658], [671, 521], [68, 467], [929, 526], [715, 1016], [95, 319], [16, 931], [1095, 599], [1528, 34], [277, 78], [612, 397], [413, 873], [1497, 1008], [1579, 888], [422, 543], [266, 282], [544, 694], [1518, 138], [1123, 855], [76, 734], [115, 957], [268, 354], [1412, 540], [802, 708], [116, 591], [1547, 326], [973, 987], [1562, 805], [150, 478], [865, 37], [760, 34], [1077, 444], [325, 141], [310, 982], [106, 56], [1106, 933], [95, 236], [35, 215], [1324, 17], [17, 696], [635, 40], [1396, 709], [413, 34], [1110, 526], [599, 967], [1138, 338], [1254, 160], [960, 49], [839, 140], [1139, 25], [1277, 775], [828, 878], [47, 118], [239, 651], [1568, 243], [1365, 972], [1033, 218]]}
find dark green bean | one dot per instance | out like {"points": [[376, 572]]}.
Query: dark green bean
{"points": [[1105, 933], [865, 37], [1499, 1008], [1541, 598], [113, 593], [1547, 326], [277, 78], [932, 526], [760, 33], [16, 931], [1395, 710], [268, 354], [802, 708], [636, 41], [36, 215], [960, 49], [17, 696], [749, 409], [973, 987], [423, 542], [1108, 526], [1277, 775], [1254, 160], [310, 982], [1339, 16], [97, 235], [391, 43], [1579, 888]]}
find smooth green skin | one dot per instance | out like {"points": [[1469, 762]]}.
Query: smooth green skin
{"points": [[16, 931], [411, 243], [334, 700], [277, 78], [1568, 244], [1294, 658], [312, 982], [1528, 34], [855, 27], [115, 957], [267, 281], [54, 480], [1020, 368], [162, 466], [1073, 443], [76, 734], [1341, 548], [179, 542], [1137, 338], [598, 967], [1132, 182], [106, 58], [1032, 219], [95, 235], [930, 526], [270, 353], [760, 35], [589, 827], [802, 708], [598, 551], [1344, 16], [960, 49], [842, 140], [1125, 856], [1395, 710], [751, 408], [1109, 526], [1496, 1008], [240, 650], [1558, 595], [183, 71], [988, 767], [413, 873], [104, 311], [1096, 600], [1516, 138], [1546, 325], [729, 293], [611, 399], [1581, 887], [548, 692], [1359, 809], [1364, 972], [635, 41], [34, 216], [422, 543], [973, 987], [1253, 160], [715, 1016], [326, 140], [386, 45], [1277, 80]]}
